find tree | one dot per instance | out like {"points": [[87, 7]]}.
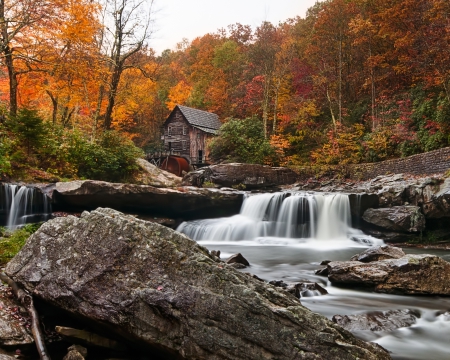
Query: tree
{"points": [[127, 31], [263, 57], [20, 28], [241, 141], [330, 53]]}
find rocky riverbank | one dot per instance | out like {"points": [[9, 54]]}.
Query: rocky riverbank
{"points": [[156, 289], [396, 208]]}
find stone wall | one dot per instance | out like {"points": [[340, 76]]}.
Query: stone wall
{"points": [[433, 162]]}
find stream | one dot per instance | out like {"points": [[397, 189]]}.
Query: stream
{"points": [[287, 236]]}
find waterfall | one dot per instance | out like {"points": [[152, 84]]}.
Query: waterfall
{"points": [[22, 205], [297, 215]]}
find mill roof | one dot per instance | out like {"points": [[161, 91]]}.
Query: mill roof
{"points": [[203, 120]]}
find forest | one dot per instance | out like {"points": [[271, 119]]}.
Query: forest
{"points": [[82, 92]]}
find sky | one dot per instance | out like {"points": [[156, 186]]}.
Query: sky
{"points": [[178, 19]]}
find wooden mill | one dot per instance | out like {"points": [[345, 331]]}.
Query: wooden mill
{"points": [[186, 132]]}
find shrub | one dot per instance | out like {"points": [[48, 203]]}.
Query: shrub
{"points": [[6, 144], [29, 129], [10, 245], [241, 141], [111, 158]]}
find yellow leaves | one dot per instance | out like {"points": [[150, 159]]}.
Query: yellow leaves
{"points": [[343, 146], [308, 109], [80, 24], [280, 144], [178, 94]]}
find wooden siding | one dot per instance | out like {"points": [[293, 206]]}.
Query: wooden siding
{"points": [[176, 123], [187, 142], [198, 141]]}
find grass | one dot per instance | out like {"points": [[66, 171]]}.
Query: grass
{"points": [[12, 242]]}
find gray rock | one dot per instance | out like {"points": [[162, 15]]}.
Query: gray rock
{"points": [[157, 287], [248, 176], [183, 202], [380, 252], [13, 321], [396, 218], [238, 259], [410, 274], [76, 352], [154, 176], [197, 177], [306, 289], [378, 320], [431, 194], [436, 204], [322, 272]]}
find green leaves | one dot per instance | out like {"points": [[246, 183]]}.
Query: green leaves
{"points": [[241, 141], [111, 158]]}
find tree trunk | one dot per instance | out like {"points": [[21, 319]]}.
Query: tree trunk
{"points": [[331, 109], [277, 90], [9, 62], [12, 80], [55, 106], [265, 107], [112, 95], [101, 93]]}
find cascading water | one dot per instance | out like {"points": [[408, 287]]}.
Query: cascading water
{"points": [[282, 215], [286, 236], [22, 204]]}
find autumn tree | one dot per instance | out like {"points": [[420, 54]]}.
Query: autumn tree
{"points": [[263, 56], [127, 29], [73, 61], [21, 24], [330, 54]]}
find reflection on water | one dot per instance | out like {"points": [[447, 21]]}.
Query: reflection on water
{"points": [[275, 254]]}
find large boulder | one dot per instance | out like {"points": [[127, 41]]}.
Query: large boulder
{"points": [[436, 204], [246, 176], [182, 202], [154, 176], [159, 289], [396, 218], [410, 274]]}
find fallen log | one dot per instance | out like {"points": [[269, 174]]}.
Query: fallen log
{"points": [[27, 301], [90, 338]]}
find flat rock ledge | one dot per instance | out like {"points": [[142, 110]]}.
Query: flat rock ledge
{"points": [[410, 274], [245, 176], [184, 202], [162, 291]]}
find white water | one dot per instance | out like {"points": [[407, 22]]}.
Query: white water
{"points": [[286, 236], [23, 204], [302, 219]]}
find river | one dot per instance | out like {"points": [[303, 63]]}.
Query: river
{"points": [[288, 241]]}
